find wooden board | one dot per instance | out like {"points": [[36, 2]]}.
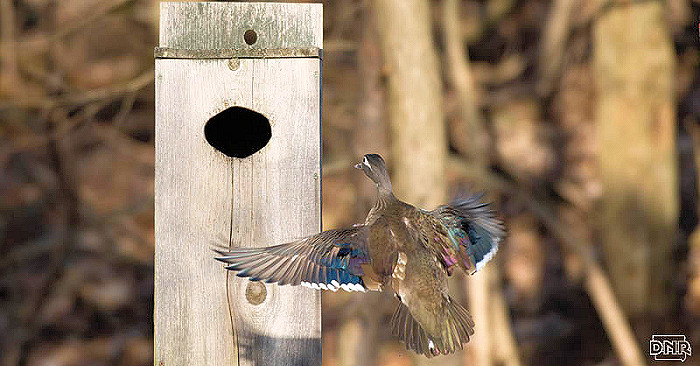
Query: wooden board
{"points": [[215, 25], [201, 314]]}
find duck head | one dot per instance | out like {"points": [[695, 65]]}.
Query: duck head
{"points": [[375, 169]]}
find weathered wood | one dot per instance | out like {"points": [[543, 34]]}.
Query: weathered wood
{"points": [[636, 124], [204, 315], [217, 25], [165, 52]]}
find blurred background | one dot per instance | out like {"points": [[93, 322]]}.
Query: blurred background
{"points": [[580, 119]]}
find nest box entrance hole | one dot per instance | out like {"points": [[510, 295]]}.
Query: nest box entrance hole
{"points": [[238, 132]]}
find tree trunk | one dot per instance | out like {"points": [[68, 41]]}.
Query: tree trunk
{"points": [[636, 130], [476, 148], [370, 136], [418, 137], [419, 145], [371, 129], [476, 145]]}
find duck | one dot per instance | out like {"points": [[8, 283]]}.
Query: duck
{"points": [[399, 248]]}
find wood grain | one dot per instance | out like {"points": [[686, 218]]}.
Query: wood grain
{"points": [[201, 314], [215, 25]]}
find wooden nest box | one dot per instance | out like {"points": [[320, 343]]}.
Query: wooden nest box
{"points": [[238, 157]]}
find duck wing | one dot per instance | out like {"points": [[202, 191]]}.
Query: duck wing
{"points": [[471, 232], [328, 260]]}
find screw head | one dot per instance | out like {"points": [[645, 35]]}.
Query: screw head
{"points": [[234, 64]]}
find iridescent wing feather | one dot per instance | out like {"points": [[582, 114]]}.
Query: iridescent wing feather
{"points": [[473, 232], [329, 260]]}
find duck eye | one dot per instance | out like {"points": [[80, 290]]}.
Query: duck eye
{"points": [[366, 162]]}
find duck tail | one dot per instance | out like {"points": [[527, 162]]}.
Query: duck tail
{"points": [[455, 332]]}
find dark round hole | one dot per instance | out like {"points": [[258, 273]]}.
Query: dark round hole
{"points": [[238, 132], [250, 36]]}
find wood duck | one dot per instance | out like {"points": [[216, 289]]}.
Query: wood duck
{"points": [[400, 248]]}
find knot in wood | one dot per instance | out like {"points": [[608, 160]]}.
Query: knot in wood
{"points": [[255, 293]]}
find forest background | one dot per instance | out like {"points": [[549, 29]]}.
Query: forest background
{"points": [[580, 119]]}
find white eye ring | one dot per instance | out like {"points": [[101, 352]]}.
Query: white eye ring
{"points": [[366, 162]]}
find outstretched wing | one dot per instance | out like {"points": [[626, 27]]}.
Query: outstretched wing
{"points": [[473, 230], [329, 260]]}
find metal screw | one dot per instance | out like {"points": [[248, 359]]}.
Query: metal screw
{"points": [[234, 64]]}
